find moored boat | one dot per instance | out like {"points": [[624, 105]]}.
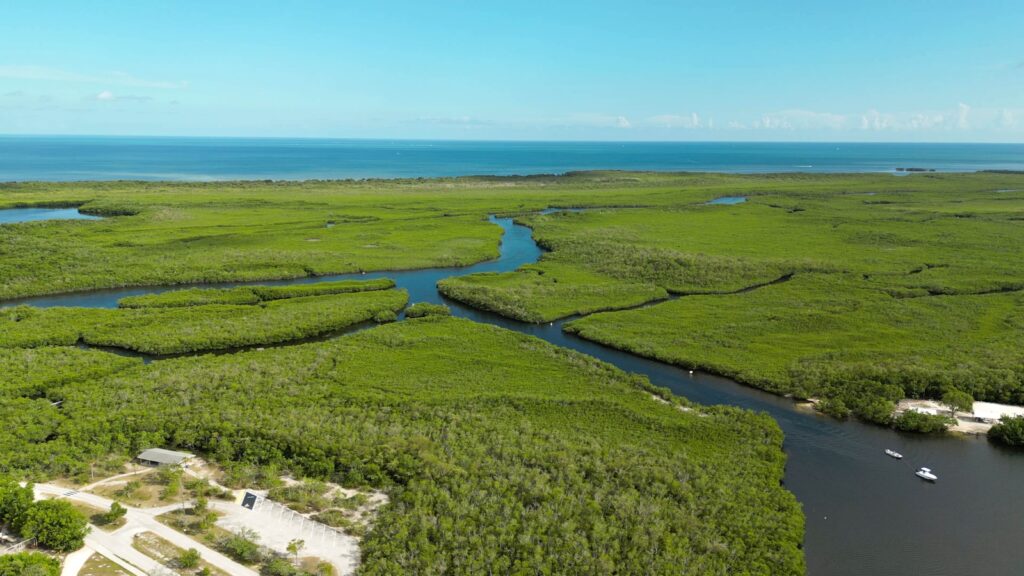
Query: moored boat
{"points": [[893, 453], [927, 474]]}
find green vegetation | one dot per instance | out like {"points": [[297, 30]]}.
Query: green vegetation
{"points": [[353, 514], [458, 435], [250, 294], [15, 502], [1009, 431], [189, 559], [957, 400], [547, 291], [857, 290], [163, 233], [28, 564], [55, 525], [110, 518], [856, 296], [819, 336], [177, 559], [175, 330], [885, 272], [911, 421], [423, 309]]}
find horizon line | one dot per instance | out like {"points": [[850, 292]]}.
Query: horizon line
{"points": [[502, 140]]}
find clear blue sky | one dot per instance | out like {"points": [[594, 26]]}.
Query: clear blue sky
{"points": [[868, 70]]}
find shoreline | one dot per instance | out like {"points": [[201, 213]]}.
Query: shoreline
{"points": [[979, 421]]}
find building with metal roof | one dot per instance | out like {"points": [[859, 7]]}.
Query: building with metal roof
{"points": [[161, 457]]}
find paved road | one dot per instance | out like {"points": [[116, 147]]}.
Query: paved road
{"points": [[117, 545]]}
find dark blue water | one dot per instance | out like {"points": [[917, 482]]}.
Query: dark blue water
{"points": [[867, 514], [58, 158]]}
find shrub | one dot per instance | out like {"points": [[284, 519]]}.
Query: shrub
{"points": [[423, 309], [1009, 431], [116, 512], [280, 567], [913, 421], [189, 559], [29, 564], [385, 316], [242, 547]]}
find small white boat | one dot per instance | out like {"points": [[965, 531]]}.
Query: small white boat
{"points": [[926, 473], [894, 454]]}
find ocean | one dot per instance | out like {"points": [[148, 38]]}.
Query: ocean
{"points": [[71, 158]]}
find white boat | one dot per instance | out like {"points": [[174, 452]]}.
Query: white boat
{"points": [[894, 454], [926, 473]]}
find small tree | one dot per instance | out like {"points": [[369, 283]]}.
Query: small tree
{"points": [[957, 400], [55, 524], [296, 546], [129, 489], [172, 488], [15, 500], [189, 559], [116, 512]]}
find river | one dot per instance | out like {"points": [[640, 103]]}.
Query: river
{"points": [[866, 513]]}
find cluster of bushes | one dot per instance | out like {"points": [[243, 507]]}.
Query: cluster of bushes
{"points": [[251, 294], [243, 546], [53, 524], [191, 329], [29, 564], [424, 309], [870, 390], [1009, 431], [913, 421], [338, 510]]}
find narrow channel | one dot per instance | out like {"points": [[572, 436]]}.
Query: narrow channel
{"points": [[866, 513]]}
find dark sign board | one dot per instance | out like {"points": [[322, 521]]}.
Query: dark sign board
{"points": [[249, 500]]}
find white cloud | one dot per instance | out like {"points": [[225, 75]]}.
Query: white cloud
{"points": [[797, 119], [108, 96], [1007, 118], [962, 110], [691, 120], [926, 120], [17, 72], [591, 121], [875, 120], [451, 120]]}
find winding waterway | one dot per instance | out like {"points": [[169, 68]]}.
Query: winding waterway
{"points": [[866, 513]]}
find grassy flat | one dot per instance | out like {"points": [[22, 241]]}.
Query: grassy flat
{"points": [[250, 294], [161, 233], [547, 291], [175, 330]]}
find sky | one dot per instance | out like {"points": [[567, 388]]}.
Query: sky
{"points": [[935, 71]]}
